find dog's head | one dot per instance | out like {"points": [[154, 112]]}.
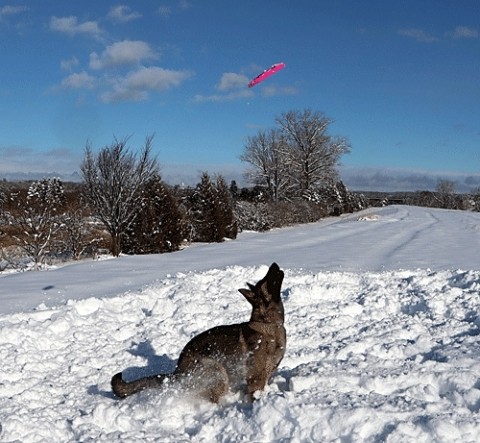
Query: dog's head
{"points": [[265, 296]]}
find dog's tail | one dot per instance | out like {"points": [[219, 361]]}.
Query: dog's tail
{"points": [[123, 389]]}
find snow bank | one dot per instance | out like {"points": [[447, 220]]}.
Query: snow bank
{"points": [[384, 239], [375, 356]]}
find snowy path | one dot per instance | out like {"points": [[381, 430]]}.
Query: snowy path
{"points": [[380, 348]]}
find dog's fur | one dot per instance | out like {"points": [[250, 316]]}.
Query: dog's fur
{"points": [[227, 357]]}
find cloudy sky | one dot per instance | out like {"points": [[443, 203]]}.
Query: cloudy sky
{"points": [[400, 80]]}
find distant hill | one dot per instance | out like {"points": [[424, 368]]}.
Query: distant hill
{"points": [[28, 176]]}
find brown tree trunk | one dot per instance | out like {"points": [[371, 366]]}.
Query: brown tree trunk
{"points": [[115, 249]]}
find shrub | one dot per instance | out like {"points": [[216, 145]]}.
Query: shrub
{"points": [[159, 226], [210, 211]]}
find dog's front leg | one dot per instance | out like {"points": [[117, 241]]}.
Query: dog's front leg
{"points": [[256, 381]]}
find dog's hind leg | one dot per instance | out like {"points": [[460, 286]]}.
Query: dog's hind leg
{"points": [[209, 379]]}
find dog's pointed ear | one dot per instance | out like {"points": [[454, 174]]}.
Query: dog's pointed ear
{"points": [[247, 293]]}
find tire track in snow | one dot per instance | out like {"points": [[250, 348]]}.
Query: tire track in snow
{"points": [[394, 243]]}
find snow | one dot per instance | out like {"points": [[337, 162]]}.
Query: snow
{"points": [[382, 320]]}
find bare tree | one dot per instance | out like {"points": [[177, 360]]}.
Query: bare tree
{"points": [[445, 191], [313, 154], [114, 179], [297, 157], [78, 236], [267, 154]]}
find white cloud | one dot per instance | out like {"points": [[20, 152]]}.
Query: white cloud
{"points": [[397, 179], [231, 96], [68, 65], [463, 32], [80, 80], [232, 86], [184, 5], [71, 26], [164, 11], [25, 163], [122, 94], [126, 52], [230, 80], [460, 32], [9, 10], [122, 14], [137, 85], [272, 91], [418, 34]]}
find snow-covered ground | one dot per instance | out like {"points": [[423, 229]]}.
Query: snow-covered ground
{"points": [[383, 337]]}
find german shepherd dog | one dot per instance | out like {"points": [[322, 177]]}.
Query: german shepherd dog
{"points": [[241, 356]]}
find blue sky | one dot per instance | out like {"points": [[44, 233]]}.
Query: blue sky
{"points": [[400, 79]]}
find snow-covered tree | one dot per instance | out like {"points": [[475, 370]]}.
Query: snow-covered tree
{"points": [[114, 179], [225, 211], [295, 158], [445, 193], [3, 197], [312, 154], [475, 197], [210, 211], [267, 153], [80, 235], [38, 218], [160, 225]]}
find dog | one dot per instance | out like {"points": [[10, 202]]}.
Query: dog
{"points": [[240, 357]]}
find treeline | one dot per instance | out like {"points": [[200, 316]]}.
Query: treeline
{"points": [[123, 205], [444, 196], [46, 221]]}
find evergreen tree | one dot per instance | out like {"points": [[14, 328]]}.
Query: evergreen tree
{"points": [[211, 212], [159, 226], [225, 211]]}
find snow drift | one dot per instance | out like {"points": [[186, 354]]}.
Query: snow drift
{"points": [[382, 319]]}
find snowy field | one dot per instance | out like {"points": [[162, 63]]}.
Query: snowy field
{"points": [[383, 337]]}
